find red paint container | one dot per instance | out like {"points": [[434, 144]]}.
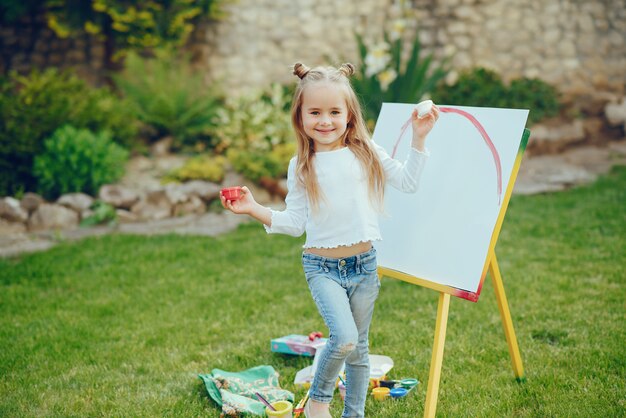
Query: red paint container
{"points": [[231, 193]]}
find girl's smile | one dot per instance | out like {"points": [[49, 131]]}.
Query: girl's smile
{"points": [[324, 116]]}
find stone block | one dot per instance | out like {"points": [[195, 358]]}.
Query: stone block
{"points": [[49, 216], [11, 210], [78, 202], [31, 201], [118, 196]]}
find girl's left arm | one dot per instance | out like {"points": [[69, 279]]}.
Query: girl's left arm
{"points": [[405, 176]]}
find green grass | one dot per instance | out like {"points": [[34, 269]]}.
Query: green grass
{"points": [[122, 325]]}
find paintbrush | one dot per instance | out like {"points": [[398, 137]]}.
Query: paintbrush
{"points": [[262, 399], [300, 407]]}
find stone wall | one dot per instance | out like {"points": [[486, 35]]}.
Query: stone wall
{"points": [[580, 46]]}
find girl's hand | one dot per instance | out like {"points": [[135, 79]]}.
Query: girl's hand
{"points": [[243, 205], [422, 126]]}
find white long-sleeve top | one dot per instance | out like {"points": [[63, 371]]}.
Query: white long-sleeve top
{"points": [[346, 215]]}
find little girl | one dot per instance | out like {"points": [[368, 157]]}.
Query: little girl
{"points": [[335, 193]]}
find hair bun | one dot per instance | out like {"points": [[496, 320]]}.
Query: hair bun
{"points": [[347, 69], [300, 70]]}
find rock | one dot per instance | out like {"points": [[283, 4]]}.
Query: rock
{"points": [[124, 216], [87, 213], [79, 202], [50, 216], [616, 113], [118, 196], [139, 164], [8, 227], [555, 135], [168, 163], [194, 205], [175, 194], [274, 187], [161, 147], [205, 190], [594, 130], [594, 103], [31, 201], [549, 173], [19, 243], [233, 178], [155, 205], [11, 210]]}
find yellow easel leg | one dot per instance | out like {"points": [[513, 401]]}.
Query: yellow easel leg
{"points": [[437, 358], [505, 314]]}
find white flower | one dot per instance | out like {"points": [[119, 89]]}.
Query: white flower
{"points": [[377, 59], [386, 77], [397, 29]]}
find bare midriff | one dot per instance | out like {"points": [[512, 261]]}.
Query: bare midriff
{"points": [[342, 251]]}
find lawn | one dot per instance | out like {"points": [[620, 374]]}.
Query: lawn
{"points": [[122, 325]]}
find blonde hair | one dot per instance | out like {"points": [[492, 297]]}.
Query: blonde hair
{"points": [[356, 137]]}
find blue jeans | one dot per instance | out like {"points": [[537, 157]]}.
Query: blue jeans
{"points": [[344, 290]]}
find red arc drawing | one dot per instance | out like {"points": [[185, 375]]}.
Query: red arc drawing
{"points": [[481, 130]]}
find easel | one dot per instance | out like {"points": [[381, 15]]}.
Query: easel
{"points": [[491, 265]]}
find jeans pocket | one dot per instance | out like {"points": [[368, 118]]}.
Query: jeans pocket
{"points": [[370, 266], [310, 267]]}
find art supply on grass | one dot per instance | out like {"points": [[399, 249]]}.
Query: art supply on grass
{"points": [[302, 345], [280, 409], [265, 402], [300, 407], [380, 394], [233, 392], [314, 335], [398, 392], [231, 193], [379, 367], [388, 383], [408, 383]]}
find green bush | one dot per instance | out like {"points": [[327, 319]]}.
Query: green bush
{"points": [[169, 96], [77, 160], [255, 133], [33, 106], [478, 87], [540, 97], [256, 165], [201, 167], [255, 122], [483, 87]]}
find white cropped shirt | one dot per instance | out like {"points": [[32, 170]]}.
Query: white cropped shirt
{"points": [[346, 215]]}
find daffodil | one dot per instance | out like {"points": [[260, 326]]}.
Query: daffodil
{"points": [[386, 77], [377, 59], [397, 29]]}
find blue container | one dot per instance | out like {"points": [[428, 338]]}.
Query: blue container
{"points": [[398, 392]]}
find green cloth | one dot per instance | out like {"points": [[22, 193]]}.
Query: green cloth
{"points": [[234, 392]]}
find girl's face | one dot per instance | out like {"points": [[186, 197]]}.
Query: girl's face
{"points": [[324, 115]]}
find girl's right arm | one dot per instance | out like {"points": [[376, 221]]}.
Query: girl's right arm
{"points": [[291, 221], [248, 206]]}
